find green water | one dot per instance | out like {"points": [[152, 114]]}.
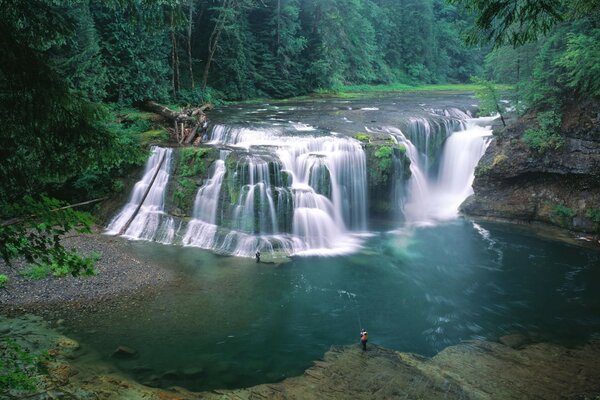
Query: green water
{"points": [[230, 322]]}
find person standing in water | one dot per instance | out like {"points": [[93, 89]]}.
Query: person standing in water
{"points": [[257, 256], [364, 338]]}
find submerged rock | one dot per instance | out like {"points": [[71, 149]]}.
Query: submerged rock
{"points": [[124, 352], [515, 340]]}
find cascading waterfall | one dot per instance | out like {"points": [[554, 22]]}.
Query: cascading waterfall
{"points": [[298, 195], [438, 197], [202, 229], [294, 189], [151, 222]]}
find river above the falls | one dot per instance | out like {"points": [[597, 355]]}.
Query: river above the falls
{"points": [[416, 287]]}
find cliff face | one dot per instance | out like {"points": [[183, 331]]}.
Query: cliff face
{"points": [[560, 187]]}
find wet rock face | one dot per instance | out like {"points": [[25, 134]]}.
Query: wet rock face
{"points": [[559, 187]]}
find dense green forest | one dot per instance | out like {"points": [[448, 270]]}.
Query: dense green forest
{"points": [[68, 69]]}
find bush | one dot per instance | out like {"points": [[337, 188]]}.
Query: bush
{"points": [[563, 211], [547, 136], [3, 280], [363, 137], [19, 369], [593, 214], [384, 155]]}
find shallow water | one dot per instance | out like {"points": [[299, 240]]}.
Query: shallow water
{"points": [[234, 323]]}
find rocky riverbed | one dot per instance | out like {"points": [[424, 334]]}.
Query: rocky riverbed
{"points": [[511, 369], [120, 277]]}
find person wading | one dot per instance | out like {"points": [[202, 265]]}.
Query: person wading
{"points": [[364, 338], [257, 256]]}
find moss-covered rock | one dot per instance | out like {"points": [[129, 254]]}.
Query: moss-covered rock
{"points": [[190, 169], [388, 170]]}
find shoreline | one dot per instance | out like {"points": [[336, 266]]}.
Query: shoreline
{"points": [[473, 369], [121, 276]]}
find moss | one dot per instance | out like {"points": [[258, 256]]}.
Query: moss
{"points": [[363, 137], [154, 136], [483, 169], [194, 161], [192, 168], [184, 195], [387, 166]]}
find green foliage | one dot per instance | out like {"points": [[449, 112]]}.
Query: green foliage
{"points": [[363, 137], [35, 231], [19, 368], [36, 272], [184, 196], [192, 161], [489, 97], [562, 211], [71, 262], [511, 21], [385, 156], [581, 62], [547, 136], [3, 281], [593, 214]]}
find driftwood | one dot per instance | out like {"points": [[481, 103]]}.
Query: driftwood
{"points": [[188, 124]]}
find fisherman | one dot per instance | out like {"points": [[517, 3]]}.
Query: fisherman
{"points": [[257, 256], [364, 338]]}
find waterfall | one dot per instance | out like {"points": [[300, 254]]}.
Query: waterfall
{"points": [[151, 222], [294, 189], [437, 197], [202, 228], [297, 194]]}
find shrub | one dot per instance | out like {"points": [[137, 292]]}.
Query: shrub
{"points": [[384, 154], [593, 214], [363, 137], [3, 280], [548, 135], [563, 211], [19, 368]]}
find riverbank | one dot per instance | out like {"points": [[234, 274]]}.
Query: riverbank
{"points": [[120, 277], [511, 369]]}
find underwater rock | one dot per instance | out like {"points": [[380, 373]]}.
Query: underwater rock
{"points": [[124, 352], [515, 341]]}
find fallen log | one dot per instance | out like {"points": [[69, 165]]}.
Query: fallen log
{"points": [[139, 206], [191, 120], [16, 220]]}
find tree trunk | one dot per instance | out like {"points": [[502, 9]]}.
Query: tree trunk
{"points": [[213, 40], [174, 57], [189, 43]]}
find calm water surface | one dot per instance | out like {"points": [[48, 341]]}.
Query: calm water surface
{"points": [[234, 323]]}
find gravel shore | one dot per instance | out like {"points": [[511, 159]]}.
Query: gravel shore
{"points": [[120, 276]]}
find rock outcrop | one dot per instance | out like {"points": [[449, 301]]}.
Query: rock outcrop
{"points": [[559, 187]]}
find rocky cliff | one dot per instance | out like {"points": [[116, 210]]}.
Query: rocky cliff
{"points": [[558, 186]]}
